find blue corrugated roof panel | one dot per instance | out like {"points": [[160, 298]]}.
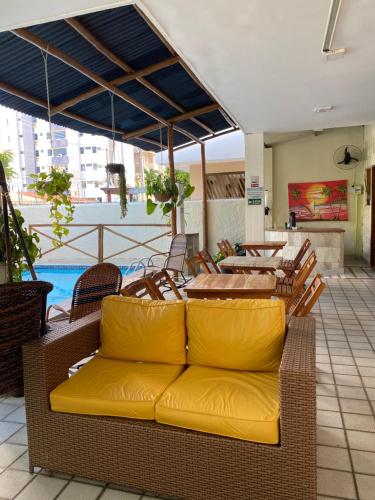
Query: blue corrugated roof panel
{"points": [[124, 31]]}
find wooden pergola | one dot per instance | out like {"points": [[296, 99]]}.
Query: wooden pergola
{"points": [[76, 46]]}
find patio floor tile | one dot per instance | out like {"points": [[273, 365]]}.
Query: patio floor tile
{"points": [[336, 483], [80, 491], [42, 488], [12, 481], [366, 486]]}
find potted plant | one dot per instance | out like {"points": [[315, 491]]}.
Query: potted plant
{"points": [[119, 169], [55, 186], [161, 190], [18, 263]]}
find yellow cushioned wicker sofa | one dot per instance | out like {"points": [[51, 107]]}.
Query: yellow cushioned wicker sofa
{"points": [[196, 400]]}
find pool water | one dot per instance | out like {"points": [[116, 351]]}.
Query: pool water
{"points": [[63, 279]]}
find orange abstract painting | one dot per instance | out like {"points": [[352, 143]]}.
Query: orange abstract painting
{"points": [[326, 200]]}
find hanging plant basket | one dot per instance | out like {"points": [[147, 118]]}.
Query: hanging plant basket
{"points": [[119, 169], [162, 197]]}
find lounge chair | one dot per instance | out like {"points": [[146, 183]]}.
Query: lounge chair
{"points": [[173, 260], [91, 287], [142, 288]]}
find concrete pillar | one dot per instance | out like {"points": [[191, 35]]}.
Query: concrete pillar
{"points": [[254, 174]]}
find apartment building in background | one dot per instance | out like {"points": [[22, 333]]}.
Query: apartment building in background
{"points": [[37, 147]]}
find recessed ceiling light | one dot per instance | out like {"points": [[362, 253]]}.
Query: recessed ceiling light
{"points": [[323, 109]]}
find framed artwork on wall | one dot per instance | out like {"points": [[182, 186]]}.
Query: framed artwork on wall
{"points": [[327, 200]]}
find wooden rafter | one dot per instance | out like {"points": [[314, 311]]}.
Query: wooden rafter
{"points": [[43, 104], [30, 37], [173, 120], [117, 81], [87, 35]]}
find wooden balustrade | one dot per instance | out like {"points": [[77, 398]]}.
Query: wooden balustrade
{"points": [[101, 230]]}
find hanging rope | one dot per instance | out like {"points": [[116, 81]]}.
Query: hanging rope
{"points": [[45, 59], [113, 154], [161, 144]]}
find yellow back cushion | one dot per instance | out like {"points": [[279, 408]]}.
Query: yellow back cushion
{"points": [[236, 334], [143, 330]]}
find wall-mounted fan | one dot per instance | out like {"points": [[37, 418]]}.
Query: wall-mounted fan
{"points": [[347, 157]]}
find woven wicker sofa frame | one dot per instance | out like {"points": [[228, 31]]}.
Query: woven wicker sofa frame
{"points": [[167, 460]]}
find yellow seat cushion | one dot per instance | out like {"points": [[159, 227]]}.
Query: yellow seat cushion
{"points": [[114, 387], [236, 334], [243, 405], [143, 330]]}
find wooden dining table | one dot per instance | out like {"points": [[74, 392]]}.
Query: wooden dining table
{"points": [[246, 264], [231, 286], [254, 247]]}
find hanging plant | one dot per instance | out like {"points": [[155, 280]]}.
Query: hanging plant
{"points": [[17, 255], [119, 169], [55, 186], [161, 190]]}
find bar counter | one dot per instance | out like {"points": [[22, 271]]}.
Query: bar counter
{"points": [[327, 242]]}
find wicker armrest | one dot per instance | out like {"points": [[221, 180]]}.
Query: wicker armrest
{"points": [[297, 384], [46, 360]]}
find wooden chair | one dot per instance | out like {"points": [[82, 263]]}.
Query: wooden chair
{"points": [[161, 280], [207, 258], [197, 264], [291, 289], [306, 302], [141, 288], [91, 287], [226, 248], [289, 267]]}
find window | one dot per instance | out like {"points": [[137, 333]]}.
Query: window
{"points": [[96, 184], [59, 152], [88, 148], [89, 165], [94, 149], [50, 152], [95, 166], [20, 135], [81, 134], [35, 137], [37, 170], [48, 135], [83, 168], [81, 150], [36, 152], [83, 184], [59, 134]]}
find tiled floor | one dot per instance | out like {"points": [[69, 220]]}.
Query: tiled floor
{"points": [[346, 410]]}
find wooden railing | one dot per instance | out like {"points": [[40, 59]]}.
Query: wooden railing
{"points": [[225, 185], [100, 231]]}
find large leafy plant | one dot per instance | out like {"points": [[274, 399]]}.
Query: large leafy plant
{"points": [[55, 186], [160, 190], [17, 256], [6, 157]]}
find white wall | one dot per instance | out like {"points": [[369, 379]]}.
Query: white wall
{"points": [[311, 159], [226, 219]]}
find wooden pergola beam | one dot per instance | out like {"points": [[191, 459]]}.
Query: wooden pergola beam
{"points": [[109, 54], [117, 81], [173, 120], [173, 178], [37, 41], [43, 104], [204, 198]]}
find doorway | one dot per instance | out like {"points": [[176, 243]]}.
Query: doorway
{"points": [[371, 182]]}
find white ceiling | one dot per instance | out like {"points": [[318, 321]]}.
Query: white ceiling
{"points": [[262, 58]]}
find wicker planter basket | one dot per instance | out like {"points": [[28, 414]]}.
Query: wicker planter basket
{"points": [[22, 318], [162, 197]]}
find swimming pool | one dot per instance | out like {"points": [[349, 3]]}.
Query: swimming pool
{"points": [[63, 279]]}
